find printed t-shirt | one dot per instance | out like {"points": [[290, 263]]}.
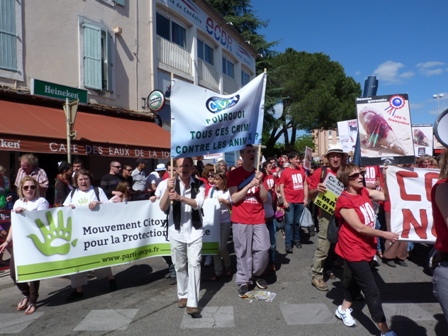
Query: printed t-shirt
{"points": [[293, 181], [250, 210], [439, 222], [82, 198], [351, 245], [372, 175]]}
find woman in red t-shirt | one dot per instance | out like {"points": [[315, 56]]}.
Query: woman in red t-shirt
{"points": [[439, 195], [357, 245]]}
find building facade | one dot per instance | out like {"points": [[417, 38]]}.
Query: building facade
{"points": [[111, 54]]}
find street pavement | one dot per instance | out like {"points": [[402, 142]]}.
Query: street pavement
{"points": [[146, 304]]}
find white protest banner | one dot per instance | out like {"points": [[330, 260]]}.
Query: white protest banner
{"points": [[61, 241], [204, 122], [410, 195], [385, 133], [327, 200], [348, 132], [422, 137], [308, 158]]}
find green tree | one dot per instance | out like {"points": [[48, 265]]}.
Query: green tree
{"points": [[305, 140], [244, 20], [315, 92]]}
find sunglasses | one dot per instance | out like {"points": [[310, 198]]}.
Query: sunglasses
{"points": [[355, 175], [32, 187], [210, 176], [129, 170], [118, 167]]}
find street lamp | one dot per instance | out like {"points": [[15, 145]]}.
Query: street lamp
{"points": [[438, 96]]}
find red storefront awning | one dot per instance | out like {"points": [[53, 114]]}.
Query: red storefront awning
{"points": [[39, 129]]}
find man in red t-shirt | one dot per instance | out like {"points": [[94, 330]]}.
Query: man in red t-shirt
{"points": [[250, 234], [294, 191], [336, 157]]}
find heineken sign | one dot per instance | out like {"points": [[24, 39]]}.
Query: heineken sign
{"points": [[58, 91], [156, 101]]}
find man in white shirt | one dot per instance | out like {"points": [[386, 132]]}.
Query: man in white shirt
{"points": [[139, 180], [183, 198], [153, 179]]}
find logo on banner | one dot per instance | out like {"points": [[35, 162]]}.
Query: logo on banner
{"points": [[218, 104], [395, 103], [54, 234]]}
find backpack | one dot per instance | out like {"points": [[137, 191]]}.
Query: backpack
{"points": [[95, 189]]}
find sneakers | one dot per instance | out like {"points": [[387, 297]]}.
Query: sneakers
{"points": [[243, 290], [297, 244], [389, 333], [345, 316], [261, 283], [319, 284], [288, 249]]}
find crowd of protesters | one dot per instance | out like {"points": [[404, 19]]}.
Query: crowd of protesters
{"points": [[255, 204]]}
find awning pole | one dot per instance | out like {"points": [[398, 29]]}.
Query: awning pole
{"points": [[69, 138]]}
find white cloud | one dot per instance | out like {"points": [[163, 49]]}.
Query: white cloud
{"points": [[389, 72], [433, 68], [428, 65]]}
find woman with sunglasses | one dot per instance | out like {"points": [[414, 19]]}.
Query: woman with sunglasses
{"points": [[29, 200], [357, 245]]}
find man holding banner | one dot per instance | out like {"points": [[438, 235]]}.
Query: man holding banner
{"points": [[250, 234], [182, 199], [336, 157]]}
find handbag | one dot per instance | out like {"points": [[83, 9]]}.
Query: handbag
{"points": [[307, 218], [333, 230], [280, 220]]}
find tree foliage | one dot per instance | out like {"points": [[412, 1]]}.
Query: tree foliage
{"points": [[240, 14], [315, 92]]}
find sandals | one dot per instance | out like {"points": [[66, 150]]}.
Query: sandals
{"points": [[31, 309], [228, 272], [23, 304]]}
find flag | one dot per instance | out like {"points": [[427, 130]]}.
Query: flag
{"points": [[204, 122]]}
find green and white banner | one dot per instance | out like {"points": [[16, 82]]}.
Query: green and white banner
{"points": [[62, 241]]}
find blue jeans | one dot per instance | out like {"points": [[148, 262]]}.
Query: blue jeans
{"points": [[292, 227], [270, 224]]}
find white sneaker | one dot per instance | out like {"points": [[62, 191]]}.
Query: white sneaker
{"points": [[208, 260], [345, 316]]}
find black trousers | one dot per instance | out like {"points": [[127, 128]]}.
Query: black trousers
{"points": [[358, 277], [31, 290]]}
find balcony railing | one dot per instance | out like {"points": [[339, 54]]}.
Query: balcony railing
{"points": [[208, 75], [174, 56]]}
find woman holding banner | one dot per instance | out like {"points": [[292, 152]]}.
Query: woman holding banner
{"points": [[357, 245], [29, 200], [439, 195], [85, 194]]}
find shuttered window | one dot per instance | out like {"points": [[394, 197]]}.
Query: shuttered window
{"points": [[8, 36], [120, 2], [98, 49]]}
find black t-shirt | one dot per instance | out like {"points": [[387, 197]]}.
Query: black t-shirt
{"points": [[109, 182]]}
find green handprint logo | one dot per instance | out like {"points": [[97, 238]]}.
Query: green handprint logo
{"points": [[52, 233], [83, 200]]}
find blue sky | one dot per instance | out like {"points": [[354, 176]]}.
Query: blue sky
{"points": [[402, 42]]}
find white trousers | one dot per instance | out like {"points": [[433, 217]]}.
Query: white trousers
{"points": [[187, 262]]}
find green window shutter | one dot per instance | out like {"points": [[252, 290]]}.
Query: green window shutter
{"points": [[120, 2], [110, 49], [92, 57], [8, 36]]}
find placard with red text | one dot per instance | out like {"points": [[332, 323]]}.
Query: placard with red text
{"points": [[410, 195]]}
